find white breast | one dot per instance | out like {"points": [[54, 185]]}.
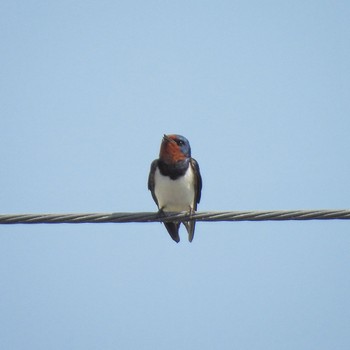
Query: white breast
{"points": [[175, 195]]}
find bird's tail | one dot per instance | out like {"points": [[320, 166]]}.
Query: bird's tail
{"points": [[190, 226], [173, 229]]}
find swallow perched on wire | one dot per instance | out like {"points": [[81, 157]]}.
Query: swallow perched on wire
{"points": [[175, 182]]}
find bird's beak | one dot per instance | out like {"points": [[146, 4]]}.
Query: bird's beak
{"points": [[167, 138]]}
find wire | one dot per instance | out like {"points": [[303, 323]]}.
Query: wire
{"points": [[263, 215]]}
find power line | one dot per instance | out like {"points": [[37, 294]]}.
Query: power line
{"points": [[253, 215]]}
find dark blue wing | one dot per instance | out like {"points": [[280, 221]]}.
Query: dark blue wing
{"points": [[198, 181], [151, 179]]}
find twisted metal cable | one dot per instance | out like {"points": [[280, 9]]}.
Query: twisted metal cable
{"points": [[253, 215]]}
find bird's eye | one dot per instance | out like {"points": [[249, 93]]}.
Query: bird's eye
{"points": [[180, 143]]}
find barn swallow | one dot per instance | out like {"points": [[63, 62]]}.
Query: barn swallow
{"points": [[175, 182]]}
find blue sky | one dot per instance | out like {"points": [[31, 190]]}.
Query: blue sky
{"points": [[261, 90]]}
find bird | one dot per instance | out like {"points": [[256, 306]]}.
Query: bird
{"points": [[175, 182]]}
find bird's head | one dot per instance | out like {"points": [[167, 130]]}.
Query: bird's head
{"points": [[174, 148]]}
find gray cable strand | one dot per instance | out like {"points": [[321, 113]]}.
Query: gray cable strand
{"points": [[254, 215]]}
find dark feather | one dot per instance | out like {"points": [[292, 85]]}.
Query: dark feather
{"points": [[151, 179], [198, 182], [173, 229]]}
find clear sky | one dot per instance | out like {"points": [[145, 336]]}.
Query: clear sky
{"points": [[262, 91]]}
